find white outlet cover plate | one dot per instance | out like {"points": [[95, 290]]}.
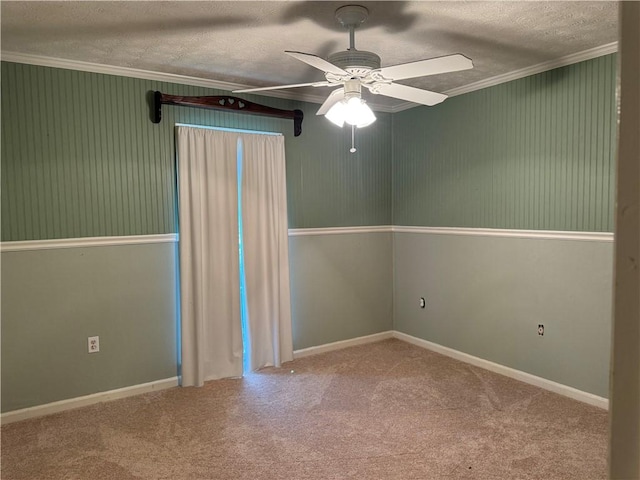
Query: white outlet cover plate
{"points": [[93, 344]]}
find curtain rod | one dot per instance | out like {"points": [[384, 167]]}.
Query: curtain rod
{"points": [[229, 129], [227, 103]]}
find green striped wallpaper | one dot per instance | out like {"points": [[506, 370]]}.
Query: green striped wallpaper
{"points": [[535, 153], [81, 158]]}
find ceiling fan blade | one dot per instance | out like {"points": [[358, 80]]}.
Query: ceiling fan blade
{"points": [[411, 94], [332, 99], [431, 66], [278, 87], [317, 62]]}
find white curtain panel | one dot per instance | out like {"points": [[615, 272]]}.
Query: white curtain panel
{"points": [[211, 326], [209, 265], [266, 253]]}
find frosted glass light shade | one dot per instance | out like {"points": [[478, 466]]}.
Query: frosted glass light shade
{"points": [[353, 112], [336, 114]]}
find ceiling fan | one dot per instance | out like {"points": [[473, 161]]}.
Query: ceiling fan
{"points": [[353, 69]]}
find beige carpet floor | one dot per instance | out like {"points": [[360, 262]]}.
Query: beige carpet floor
{"points": [[387, 410]]}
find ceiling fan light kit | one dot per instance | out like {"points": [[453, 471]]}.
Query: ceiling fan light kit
{"points": [[353, 69], [351, 108], [352, 112]]}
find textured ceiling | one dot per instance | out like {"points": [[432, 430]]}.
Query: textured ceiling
{"points": [[243, 42]]}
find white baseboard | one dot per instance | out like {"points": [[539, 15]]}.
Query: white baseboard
{"points": [[555, 387], [62, 405], [352, 342], [540, 382], [55, 407]]}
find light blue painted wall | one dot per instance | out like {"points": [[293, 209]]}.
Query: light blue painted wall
{"points": [[53, 299], [341, 286], [485, 296]]}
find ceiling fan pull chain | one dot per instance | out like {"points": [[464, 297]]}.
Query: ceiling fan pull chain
{"points": [[353, 139]]}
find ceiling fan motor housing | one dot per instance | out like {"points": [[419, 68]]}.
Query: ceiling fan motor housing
{"points": [[357, 62]]}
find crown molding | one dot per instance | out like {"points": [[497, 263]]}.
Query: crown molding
{"points": [[318, 99], [534, 69], [523, 72], [82, 66]]}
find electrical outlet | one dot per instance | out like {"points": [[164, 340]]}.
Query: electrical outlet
{"points": [[540, 329], [93, 344]]}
